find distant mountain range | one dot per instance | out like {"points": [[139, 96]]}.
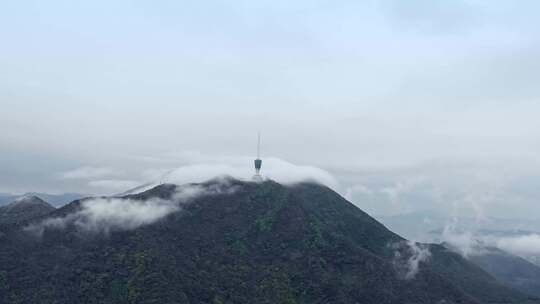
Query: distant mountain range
{"points": [[55, 200], [509, 269], [521, 273], [230, 242], [427, 226]]}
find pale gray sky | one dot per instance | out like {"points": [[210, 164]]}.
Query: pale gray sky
{"points": [[408, 105]]}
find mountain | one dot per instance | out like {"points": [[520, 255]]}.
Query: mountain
{"points": [[512, 270], [231, 242], [54, 199], [23, 209], [428, 226]]}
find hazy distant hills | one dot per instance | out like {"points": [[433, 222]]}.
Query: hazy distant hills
{"points": [[53, 199], [231, 242], [429, 225], [23, 209], [510, 269], [474, 238]]}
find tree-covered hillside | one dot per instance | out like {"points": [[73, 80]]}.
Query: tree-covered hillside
{"points": [[247, 243]]}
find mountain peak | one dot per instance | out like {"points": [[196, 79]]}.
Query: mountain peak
{"points": [[24, 208], [29, 199]]}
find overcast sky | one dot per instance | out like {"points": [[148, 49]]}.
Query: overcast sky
{"points": [[399, 105]]}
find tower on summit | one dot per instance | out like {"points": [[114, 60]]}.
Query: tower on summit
{"points": [[258, 161]]}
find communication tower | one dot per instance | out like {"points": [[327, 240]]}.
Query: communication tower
{"points": [[258, 161]]}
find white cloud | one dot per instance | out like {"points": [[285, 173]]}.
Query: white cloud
{"points": [[420, 254], [154, 174], [469, 243], [357, 189], [465, 242], [408, 256], [103, 215], [89, 173], [106, 214], [114, 184], [242, 168], [521, 245]]}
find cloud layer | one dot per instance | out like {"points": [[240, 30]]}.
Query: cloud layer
{"points": [[89, 173], [471, 243], [408, 257], [242, 168], [524, 245], [102, 215], [448, 81]]}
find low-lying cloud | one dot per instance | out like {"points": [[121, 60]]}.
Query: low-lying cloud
{"points": [[242, 168], [408, 256], [90, 173], [114, 184], [521, 245], [465, 243], [193, 168], [103, 215], [469, 243], [106, 214]]}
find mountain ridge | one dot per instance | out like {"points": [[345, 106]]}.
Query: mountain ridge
{"points": [[55, 200], [261, 243]]}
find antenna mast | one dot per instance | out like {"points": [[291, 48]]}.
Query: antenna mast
{"points": [[259, 145]]}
